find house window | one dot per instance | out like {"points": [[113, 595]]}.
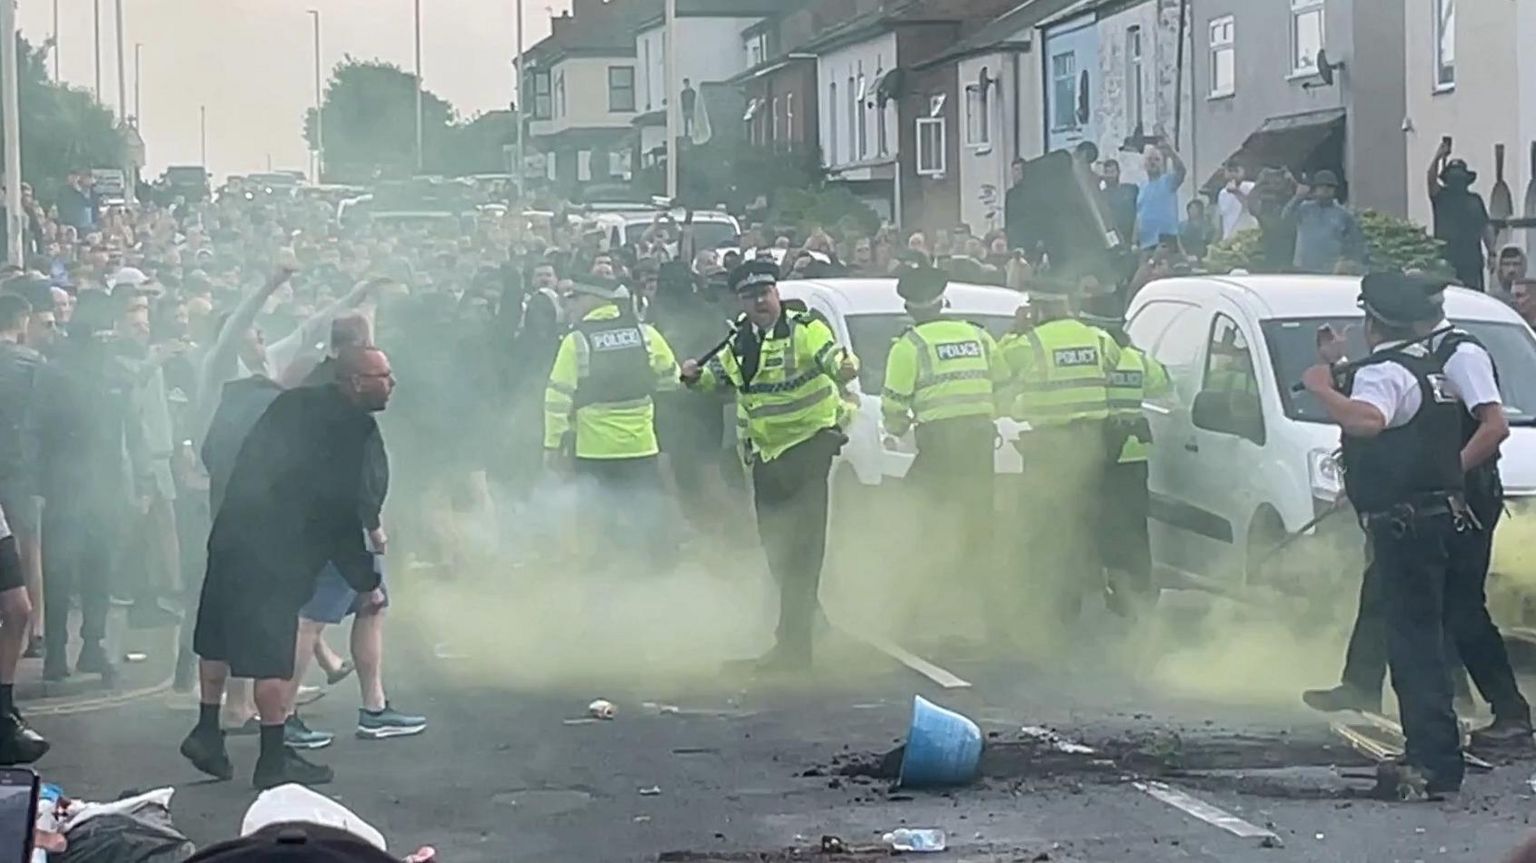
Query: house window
{"points": [[1134, 82], [560, 95], [774, 121], [1064, 91], [646, 45], [1306, 35], [583, 165], [789, 117], [542, 104], [1445, 44], [832, 123], [930, 147], [757, 48], [862, 112], [551, 170], [621, 88], [1223, 56], [978, 120], [853, 112]]}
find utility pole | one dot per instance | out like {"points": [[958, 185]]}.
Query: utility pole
{"points": [[96, 18], [419, 155], [202, 134], [673, 99], [319, 126], [138, 55], [122, 79], [10, 112], [55, 41], [522, 109]]}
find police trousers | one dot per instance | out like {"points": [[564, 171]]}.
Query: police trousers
{"points": [[623, 506], [1472, 639], [1412, 558], [1062, 507], [954, 476], [791, 498], [1124, 543]]}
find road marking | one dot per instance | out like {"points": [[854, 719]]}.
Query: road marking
{"points": [[1392, 726], [1210, 814], [916, 663], [69, 706]]}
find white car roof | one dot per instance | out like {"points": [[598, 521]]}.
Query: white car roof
{"points": [[1306, 296], [876, 296]]}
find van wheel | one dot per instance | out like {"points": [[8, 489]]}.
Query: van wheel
{"points": [[1263, 566]]}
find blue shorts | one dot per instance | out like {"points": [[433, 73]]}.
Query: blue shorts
{"points": [[334, 599]]}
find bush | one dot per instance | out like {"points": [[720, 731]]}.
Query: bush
{"points": [[1394, 243]]}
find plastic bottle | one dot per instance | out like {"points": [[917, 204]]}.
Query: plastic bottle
{"points": [[903, 839]]}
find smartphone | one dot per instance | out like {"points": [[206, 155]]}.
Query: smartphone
{"points": [[1445, 141], [18, 812]]}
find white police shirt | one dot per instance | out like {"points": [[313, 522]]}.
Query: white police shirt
{"points": [[1470, 373], [1389, 387]]}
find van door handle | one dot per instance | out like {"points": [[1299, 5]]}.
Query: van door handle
{"points": [[1191, 446]]}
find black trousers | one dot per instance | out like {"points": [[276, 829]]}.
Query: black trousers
{"points": [[1472, 639], [1062, 509], [790, 494], [954, 476], [1124, 543], [622, 501], [1412, 559], [80, 547]]}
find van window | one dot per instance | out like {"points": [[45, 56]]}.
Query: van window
{"points": [[1229, 369], [1178, 349], [1152, 320]]}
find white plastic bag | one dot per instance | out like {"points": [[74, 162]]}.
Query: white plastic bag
{"points": [[291, 802]]}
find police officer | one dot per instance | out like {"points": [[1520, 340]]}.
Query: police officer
{"points": [[1474, 639], [1402, 439], [1123, 542], [788, 373], [945, 375], [599, 411], [1060, 373]]}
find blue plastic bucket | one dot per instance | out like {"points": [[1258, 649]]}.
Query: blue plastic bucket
{"points": [[943, 747]]}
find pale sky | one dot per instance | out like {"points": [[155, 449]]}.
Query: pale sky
{"points": [[251, 62]]}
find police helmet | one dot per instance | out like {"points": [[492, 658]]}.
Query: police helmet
{"points": [[1400, 299], [754, 277], [922, 286]]}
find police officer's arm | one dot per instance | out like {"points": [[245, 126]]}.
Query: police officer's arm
{"points": [[837, 363], [663, 361], [1470, 372], [997, 367], [1020, 357], [560, 394], [900, 382], [1365, 413]]}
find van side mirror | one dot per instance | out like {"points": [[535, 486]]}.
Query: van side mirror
{"points": [[1220, 411]]}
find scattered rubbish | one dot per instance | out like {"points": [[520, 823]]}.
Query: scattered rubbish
{"points": [[135, 657], [1271, 841], [833, 845], [136, 828], [653, 791], [695, 750], [585, 720], [921, 841], [663, 709], [1056, 741], [641, 819], [601, 709], [943, 747], [291, 802], [1318, 837]]}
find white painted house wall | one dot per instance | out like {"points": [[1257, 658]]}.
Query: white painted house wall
{"points": [[585, 101], [839, 119], [1013, 107], [714, 52]]}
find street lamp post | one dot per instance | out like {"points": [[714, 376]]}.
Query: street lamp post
{"points": [[419, 156], [122, 78], [138, 56], [10, 114], [522, 109], [202, 134], [319, 126], [96, 18], [56, 41], [673, 99]]}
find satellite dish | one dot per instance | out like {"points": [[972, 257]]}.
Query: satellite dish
{"points": [[1325, 69], [891, 86]]}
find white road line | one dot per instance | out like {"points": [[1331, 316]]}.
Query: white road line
{"points": [[1213, 815], [916, 663]]}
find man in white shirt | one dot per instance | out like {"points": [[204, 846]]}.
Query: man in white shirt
{"points": [[1232, 202]]}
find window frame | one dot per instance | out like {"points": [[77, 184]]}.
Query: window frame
{"points": [[1228, 46], [1057, 103], [614, 90], [542, 97], [861, 111], [1444, 72], [1300, 9], [559, 95], [939, 170], [1135, 77], [853, 109], [978, 118]]}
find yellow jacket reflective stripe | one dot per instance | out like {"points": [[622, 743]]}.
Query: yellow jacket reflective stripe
{"points": [[795, 391], [1061, 372], [941, 369], [613, 429]]}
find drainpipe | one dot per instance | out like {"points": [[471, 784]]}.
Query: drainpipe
{"points": [[1178, 81]]}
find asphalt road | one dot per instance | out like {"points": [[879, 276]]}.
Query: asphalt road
{"points": [[746, 769]]}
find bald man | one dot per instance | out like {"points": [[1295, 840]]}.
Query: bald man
{"points": [[294, 503]]}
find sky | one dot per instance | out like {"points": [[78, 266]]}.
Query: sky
{"points": [[251, 62]]}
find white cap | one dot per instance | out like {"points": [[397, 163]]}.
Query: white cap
{"points": [[128, 276]]}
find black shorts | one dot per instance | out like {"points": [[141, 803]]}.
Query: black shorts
{"points": [[254, 631], [11, 576]]}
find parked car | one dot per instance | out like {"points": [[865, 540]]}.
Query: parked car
{"points": [[1239, 460], [867, 316]]}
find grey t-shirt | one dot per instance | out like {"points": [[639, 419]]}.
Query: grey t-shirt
{"points": [[1325, 235]]}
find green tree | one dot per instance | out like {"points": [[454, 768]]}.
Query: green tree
{"points": [[63, 129], [1394, 243], [369, 113]]}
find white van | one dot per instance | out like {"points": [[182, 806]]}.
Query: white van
{"points": [[1228, 484], [867, 315]]}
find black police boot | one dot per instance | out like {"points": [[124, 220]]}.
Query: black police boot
{"points": [[1342, 697], [205, 749], [1504, 733], [1400, 781], [288, 767], [19, 744]]}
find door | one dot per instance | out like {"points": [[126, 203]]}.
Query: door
{"points": [[1173, 333], [1226, 441]]}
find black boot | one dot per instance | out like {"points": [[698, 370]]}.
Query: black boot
{"points": [[94, 660], [1342, 697], [1399, 781], [19, 744], [288, 767], [207, 753], [1504, 733]]}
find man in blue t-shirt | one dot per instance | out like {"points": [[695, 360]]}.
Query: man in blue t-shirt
{"points": [[1157, 207]]}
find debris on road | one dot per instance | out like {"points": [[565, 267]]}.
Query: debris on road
{"points": [[943, 747], [602, 709], [919, 840], [653, 791], [1055, 740]]}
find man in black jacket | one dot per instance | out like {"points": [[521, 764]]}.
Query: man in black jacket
{"points": [[293, 503]]}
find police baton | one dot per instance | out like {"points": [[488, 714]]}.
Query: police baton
{"points": [[715, 351]]}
